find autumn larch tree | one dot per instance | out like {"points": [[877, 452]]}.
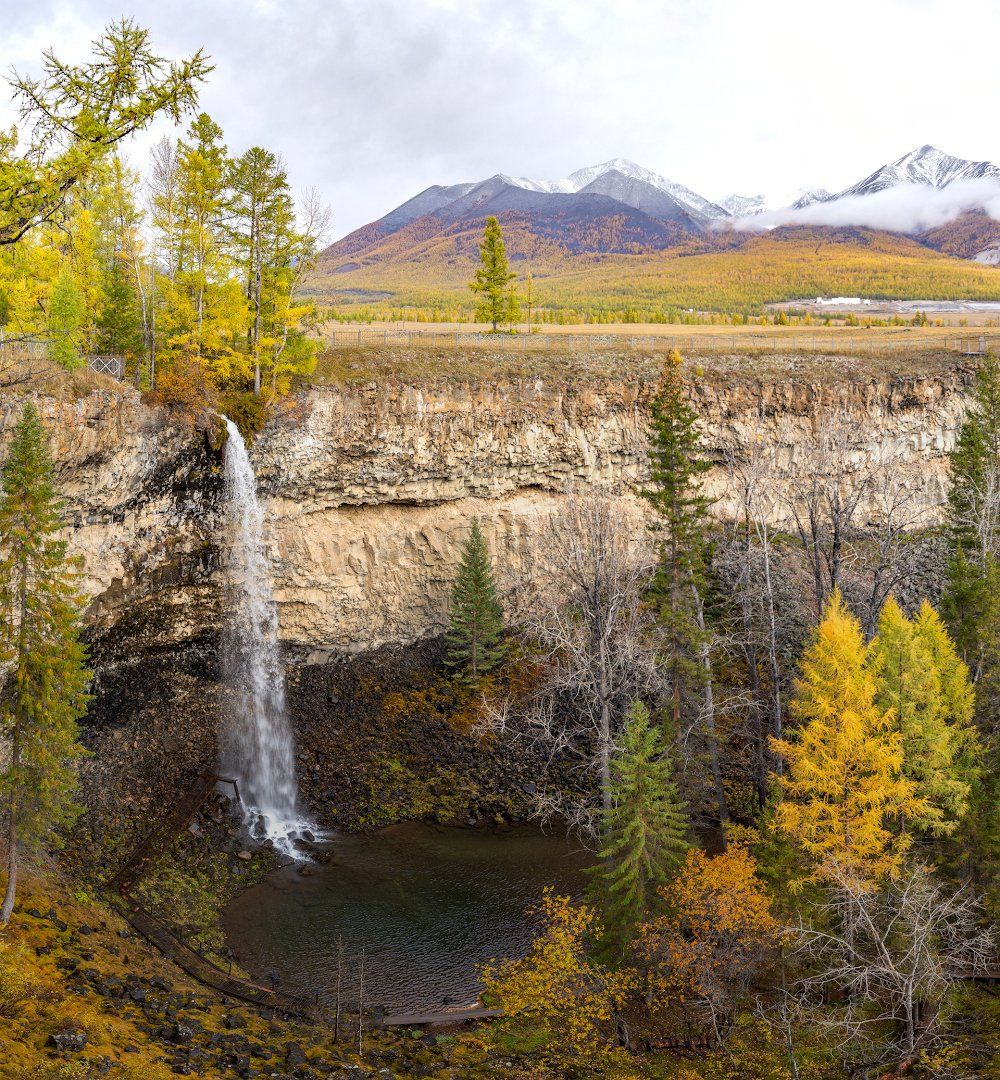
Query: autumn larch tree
{"points": [[40, 648], [493, 279], [644, 834], [844, 778], [475, 637], [77, 113]]}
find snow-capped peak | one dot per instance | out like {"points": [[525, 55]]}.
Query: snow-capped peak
{"points": [[578, 180], [809, 195], [744, 205], [925, 165]]}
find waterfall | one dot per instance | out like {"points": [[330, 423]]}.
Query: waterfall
{"points": [[257, 744]]}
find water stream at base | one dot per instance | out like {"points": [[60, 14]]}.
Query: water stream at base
{"points": [[257, 746]]}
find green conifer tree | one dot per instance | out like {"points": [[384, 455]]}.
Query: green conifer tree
{"points": [[492, 281], [40, 651], [644, 834], [676, 465], [119, 323], [972, 509], [475, 637], [66, 314], [910, 683]]}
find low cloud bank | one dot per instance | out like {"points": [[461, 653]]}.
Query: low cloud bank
{"points": [[907, 208]]}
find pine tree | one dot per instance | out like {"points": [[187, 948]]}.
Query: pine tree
{"points": [[39, 648], [911, 684], [644, 834], [475, 637], [844, 777], [676, 465], [493, 278]]}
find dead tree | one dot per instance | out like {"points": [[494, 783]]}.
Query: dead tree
{"points": [[826, 497], [893, 960], [750, 559], [894, 511], [594, 641]]}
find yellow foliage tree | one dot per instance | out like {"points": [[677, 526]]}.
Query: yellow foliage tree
{"points": [[558, 985], [718, 931], [844, 765]]}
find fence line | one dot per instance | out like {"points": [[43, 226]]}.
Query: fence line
{"points": [[370, 337], [35, 348]]}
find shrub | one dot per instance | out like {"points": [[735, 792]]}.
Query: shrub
{"points": [[15, 986], [184, 387], [247, 411]]}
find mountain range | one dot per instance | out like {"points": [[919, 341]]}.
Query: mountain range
{"points": [[619, 208]]}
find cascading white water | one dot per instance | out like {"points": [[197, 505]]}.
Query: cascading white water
{"points": [[257, 743]]}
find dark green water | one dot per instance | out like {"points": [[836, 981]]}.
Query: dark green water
{"points": [[429, 906]]}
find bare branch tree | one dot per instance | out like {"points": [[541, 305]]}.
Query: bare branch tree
{"points": [[894, 512], [594, 637], [833, 480], [901, 950]]}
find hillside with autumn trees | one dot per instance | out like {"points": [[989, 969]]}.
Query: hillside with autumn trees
{"points": [[187, 267], [282, 695], [726, 272]]}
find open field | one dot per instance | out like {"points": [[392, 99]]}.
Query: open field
{"points": [[659, 337], [639, 360]]}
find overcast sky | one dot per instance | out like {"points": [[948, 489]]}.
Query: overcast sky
{"points": [[372, 100]]}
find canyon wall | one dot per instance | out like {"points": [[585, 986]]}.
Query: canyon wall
{"points": [[371, 490]]}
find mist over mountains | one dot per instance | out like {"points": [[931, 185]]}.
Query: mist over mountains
{"points": [[621, 207]]}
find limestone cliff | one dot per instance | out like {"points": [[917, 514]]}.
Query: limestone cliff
{"points": [[370, 489]]}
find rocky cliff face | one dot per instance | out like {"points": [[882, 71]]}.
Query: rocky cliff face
{"points": [[370, 490]]}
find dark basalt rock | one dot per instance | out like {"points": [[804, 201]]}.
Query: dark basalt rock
{"points": [[68, 1040]]}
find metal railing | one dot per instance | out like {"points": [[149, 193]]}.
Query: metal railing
{"points": [[38, 348]]}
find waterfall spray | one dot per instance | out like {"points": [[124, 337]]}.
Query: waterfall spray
{"points": [[257, 743]]}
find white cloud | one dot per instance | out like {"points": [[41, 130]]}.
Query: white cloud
{"points": [[907, 208], [372, 100]]}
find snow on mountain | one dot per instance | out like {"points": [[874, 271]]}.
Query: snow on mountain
{"points": [[743, 205], [700, 207], [808, 196], [641, 195], [926, 165]]}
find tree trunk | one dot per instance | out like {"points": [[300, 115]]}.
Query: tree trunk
{"points": [[772, 650], [605, 732], [8, 900], [705, 659]]}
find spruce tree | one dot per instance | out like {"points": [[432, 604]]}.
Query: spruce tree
{"points": [[40, 651], [676, 465], [844, 779], [119, 323], [475, 637], [974, 522], [493, 279], [643, 835], [910, 683]]}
